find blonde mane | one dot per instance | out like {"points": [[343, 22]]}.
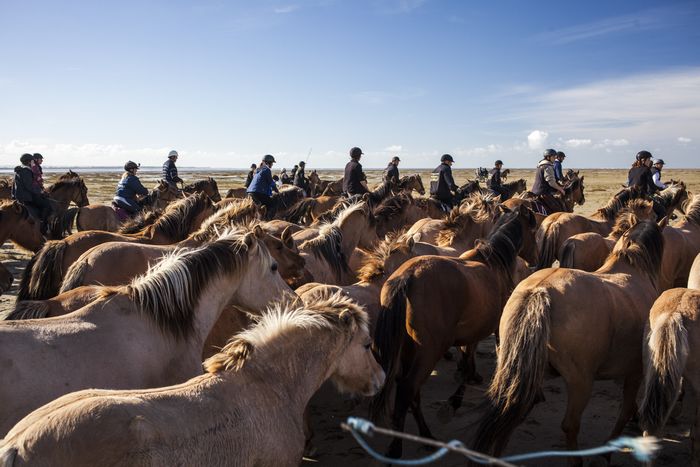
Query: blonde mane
{"points": [[373, 266], [330, 312], [477, 208], [692, 210], [243, 212], [634, 211], [178, 217]]}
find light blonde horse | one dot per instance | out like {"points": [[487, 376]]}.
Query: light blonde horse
{"points": [[247, 409], [149, 333], [672, 352], [586, 326], [694, 275]]}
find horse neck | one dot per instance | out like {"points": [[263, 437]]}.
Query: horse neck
{"points": [[211, 303], [352, 228]]}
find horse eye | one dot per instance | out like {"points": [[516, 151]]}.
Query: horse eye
{"points": [[367, 346], [274, 267]]}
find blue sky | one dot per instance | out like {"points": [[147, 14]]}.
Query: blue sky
{"points": [[98, 83]]}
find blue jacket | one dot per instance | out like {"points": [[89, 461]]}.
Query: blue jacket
{"points": [[170, 172], [558, 174], [130, 186], [262, 182]]}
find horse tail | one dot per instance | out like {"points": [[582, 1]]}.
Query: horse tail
{"points": [[665, 355], [520, 368], [75, 276], [389, 337], [8, 455], [568, 251], [547, 238], [299, 213], [42, 277], [29, 309]]}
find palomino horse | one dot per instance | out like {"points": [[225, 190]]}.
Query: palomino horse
{"points": [[43, 275], [415, 328], [408, 183], [207, 186], [104, 217], [682, 242], [147, 334], [247, 409], [395, 213], [588, 251], [18, 226], [694, 275], [672, 352], [585, 325]]}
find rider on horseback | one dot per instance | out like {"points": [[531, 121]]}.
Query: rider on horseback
{"points": [[494, 182], [640, 174], [546, 184], [354, 179], [558, 171], [127, 189], [262, 186], [26, 192], [442, 185], [170, 171], [656, 174], [391, 173], [299, 178]]}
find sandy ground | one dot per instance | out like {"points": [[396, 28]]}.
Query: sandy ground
{"points": [[541, 429]]}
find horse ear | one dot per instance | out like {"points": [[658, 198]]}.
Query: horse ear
{"points": [[346, 317], [410, 243], [365, 197], [287, 238], [249, 239], [17, 207], [663, 223], [258, 231], [263, 211]]}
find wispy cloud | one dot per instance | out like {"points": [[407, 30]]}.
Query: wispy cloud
{"points": [[684, 140], [645, 20], [394, 148], [285, 9], [383, 97], [577, 142], [393, 7]]}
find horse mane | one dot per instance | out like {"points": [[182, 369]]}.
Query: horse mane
{"points": [[617, 202], [392, 206], [5, 183], [514, 183], [629, 216], [170, 290], [376, 196], [178, 217], [241, 213], [198, 185], [692, 210], [139, 222], [70, 175], [373, 265], [332, 213], [274, 328], [501, 247], [642, 247], [66, 183], [12, 204], [672, 194], [477, 208]]}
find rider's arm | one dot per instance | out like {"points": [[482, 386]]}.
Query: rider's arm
{"points": [[450, 181], [656, 176], [551, 179], [267, 177], [138, 187]]}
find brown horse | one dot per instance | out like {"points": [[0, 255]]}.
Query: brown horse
{"points": [[431, 303], [44, 273], [18, 226], [574, 194], [682, 245], [408, 183], [395, 213], [672, 352], [247, 409], [586, 326], [207, 186], [149, 333]]}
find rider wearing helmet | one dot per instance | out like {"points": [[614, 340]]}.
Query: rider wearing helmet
{"points": [[558, 171], [37, 171], [299, 178], [251, 174], [656, 169], [442, 185], [640, 174], [391, 173], [546, 185], [494, 182], [170, 171], [261, 188], [128, 188], [354, 179], [26, 192]]}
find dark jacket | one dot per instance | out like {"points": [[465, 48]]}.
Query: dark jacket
{"points": [[299, 179], [494, 180], [38, 177], [249, 178], [642, 179], [24, 190], [170, 172], [262, 182], [391, 173], [129, 187], [442, 184], [544, 178], [558, 171], [352, 178]]}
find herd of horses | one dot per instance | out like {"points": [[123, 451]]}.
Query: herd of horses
{"points": [[202, 329]]}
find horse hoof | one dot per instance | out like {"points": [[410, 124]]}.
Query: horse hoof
{"points": [[445, 412]]}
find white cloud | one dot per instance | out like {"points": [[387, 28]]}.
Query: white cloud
{"points": [[537, 139], [607, 143], [394, 148], [684, 140], [577, 143], [393, 7], [383, 97], [285, 9]]}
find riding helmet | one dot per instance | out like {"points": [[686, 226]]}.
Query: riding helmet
{"points": [[549, 153], [268, 158], [395, 159], [561, 154], [446, 157], [173, 153], [659, 161], [26, 158], [641, 155], [498, 161], [302, 164], [37, 156], [356, 152], [131, 165]]}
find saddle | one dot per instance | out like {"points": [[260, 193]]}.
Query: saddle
{"points": [[122, 214]]}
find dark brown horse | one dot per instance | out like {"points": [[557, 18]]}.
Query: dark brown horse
{"points": [[207, 186], [18, 226], [431, 303]]}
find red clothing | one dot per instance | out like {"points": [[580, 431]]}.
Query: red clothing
{"points": [[38, 178]]}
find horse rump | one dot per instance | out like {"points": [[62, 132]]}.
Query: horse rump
{"points": [[43, 275]]}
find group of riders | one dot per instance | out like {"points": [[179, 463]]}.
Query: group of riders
{"points": [[260, 184]]}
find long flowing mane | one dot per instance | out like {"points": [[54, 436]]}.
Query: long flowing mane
{"points": [[673, 195], [171, 289], [70, 175], [200, 185], [501, 247], [629, 216], [276, 328], [240, 213], [642, 247], [617, 202], [392, 206], [406, 179], [178, 218], [20, 208], [477, 208], [692, 211], [373, 266]]}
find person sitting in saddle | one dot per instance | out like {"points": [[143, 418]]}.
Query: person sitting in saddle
{"points": [[25, 191], [354, 179], [656, 174], [293, 173], [170, 170], [494, 182], [251, 174], [129, 188], [558, 169], [38, 172], [262, 185], [546, 184], [391, 173], [640, 176], [285, 178], [442, 185], [300, 179]]}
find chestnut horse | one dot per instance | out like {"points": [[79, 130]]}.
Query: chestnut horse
{"points": [[585, 325], [247, 409], [207, 186], [18, 226], [408, 183], [431, 303], [44, 273], [149, 333], [672, 352]]}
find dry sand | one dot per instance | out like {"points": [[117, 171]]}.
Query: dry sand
{"points": [[541, 429]]}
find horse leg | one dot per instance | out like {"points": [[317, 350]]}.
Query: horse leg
{"points": [[398, 420], [466, 369], [417, 411], [627, 409], [579, 392]]}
